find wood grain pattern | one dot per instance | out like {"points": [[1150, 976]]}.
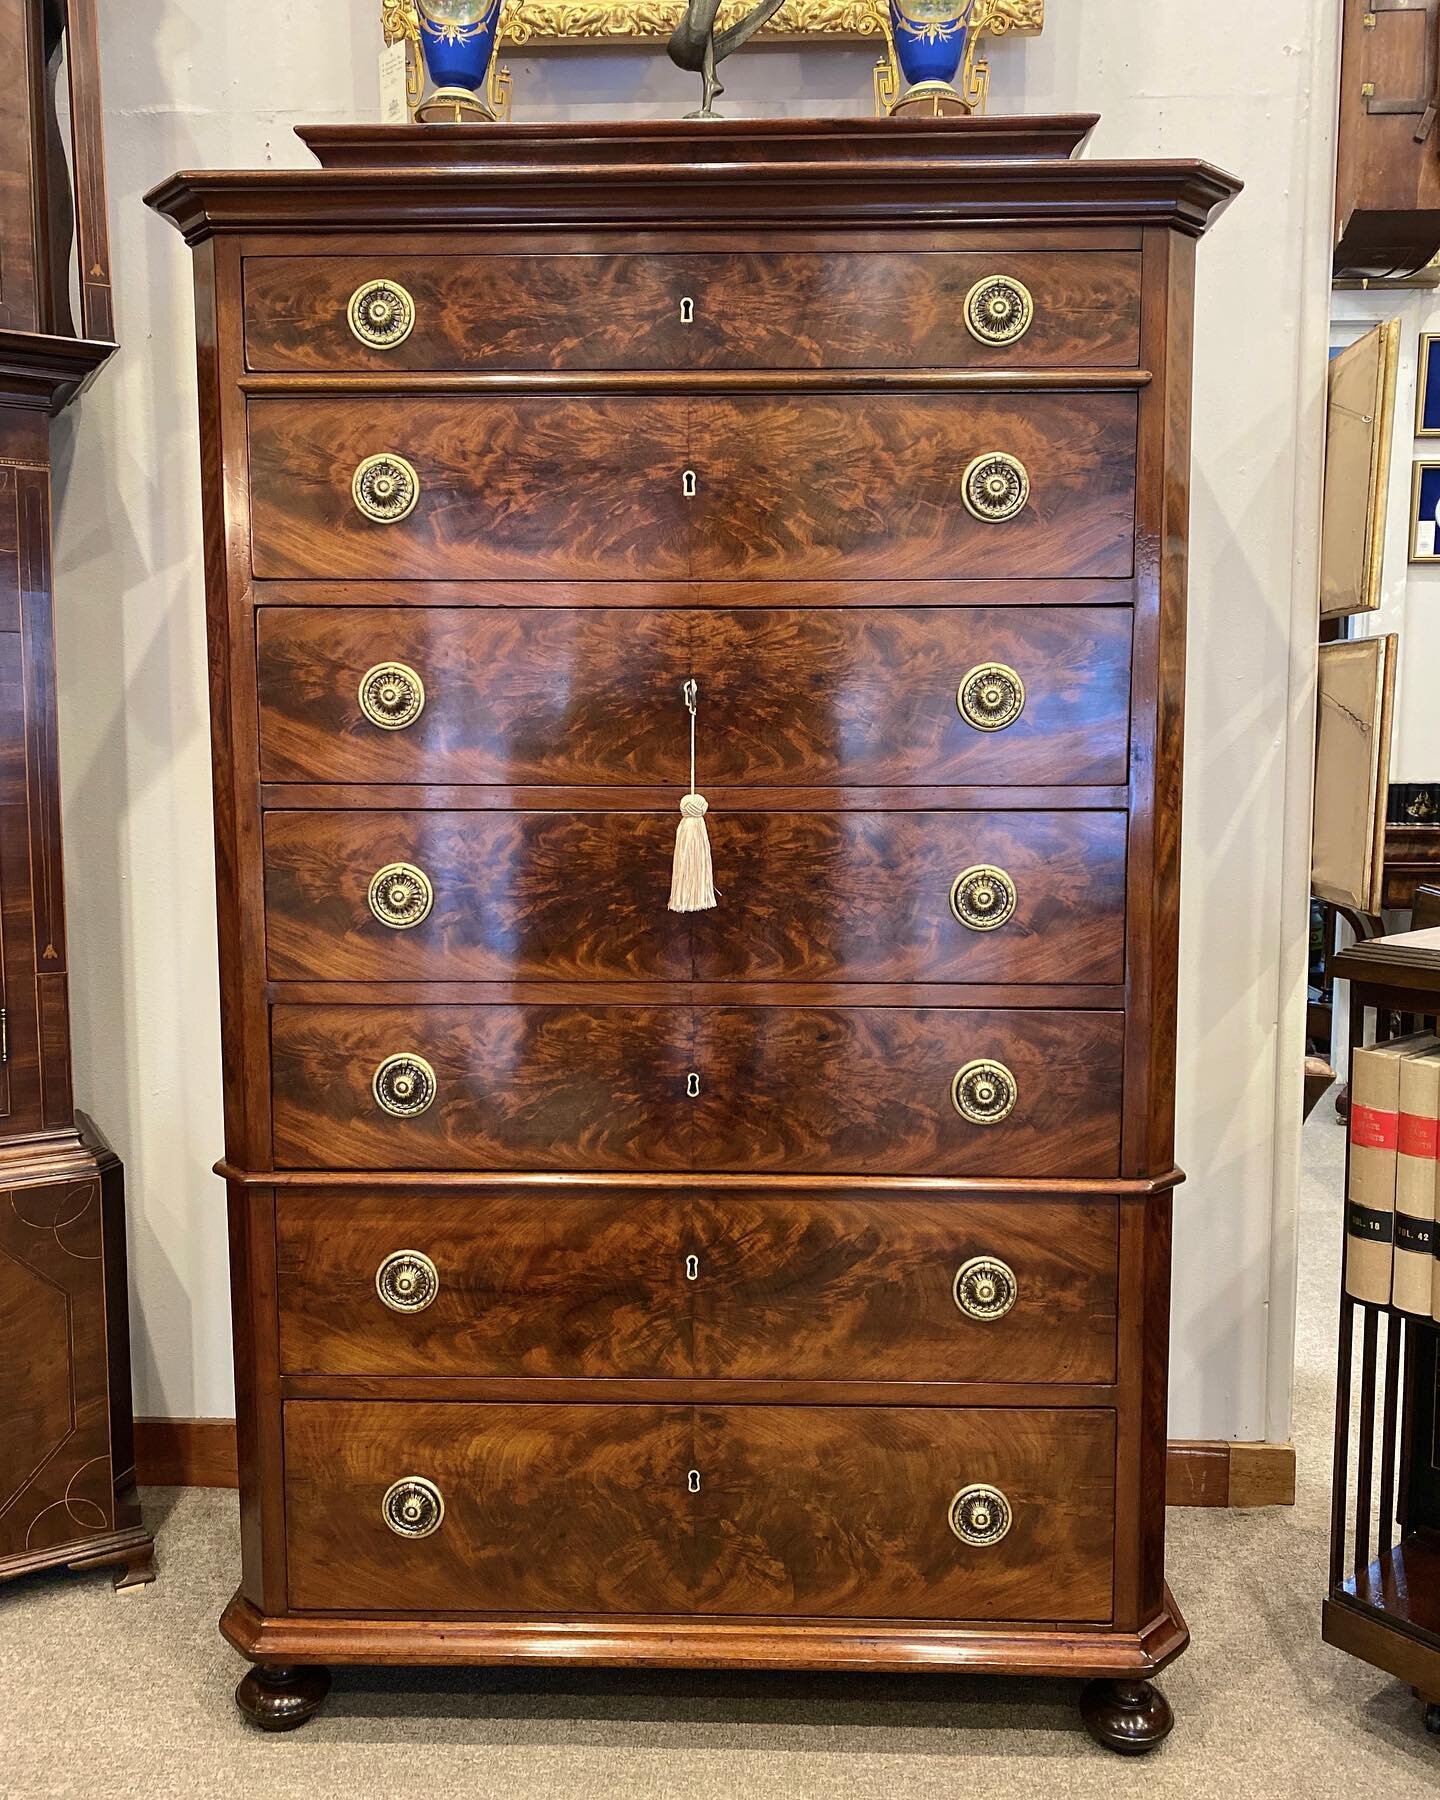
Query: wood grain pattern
{"points": [[553, 1087], [548, 1509], [825, 1089], [862, 1090], [788, 1288], [807, 897], [851, 485], [842, 1512], [591, 1286], [838, 1288], [751, 310], [864, 697]]}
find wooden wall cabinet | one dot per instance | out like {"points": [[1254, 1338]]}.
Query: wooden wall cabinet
{"points": [[1388, 188], [67, 1484], [780, 1286]]}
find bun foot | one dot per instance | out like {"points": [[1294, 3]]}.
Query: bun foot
{"points": [[1129, 1717], [280, 1699]]}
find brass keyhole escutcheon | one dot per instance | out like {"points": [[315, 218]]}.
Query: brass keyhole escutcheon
{"points": [[407, 1281], [404, 1085], [392, 695], [999, 310], [385, 488], [985, 1288], [983, 898], [984, 1092], [401, 896], [413, 1507], [995, 487], [381, 314], [980, 1515], [991, 696]]}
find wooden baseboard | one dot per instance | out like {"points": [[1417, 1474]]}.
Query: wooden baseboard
{"points": [[201, 1453]]}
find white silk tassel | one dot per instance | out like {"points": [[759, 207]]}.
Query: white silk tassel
{"points": [[692, 879]]}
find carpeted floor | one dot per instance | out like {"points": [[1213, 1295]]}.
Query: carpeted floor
{"points": [[130, 1695]]}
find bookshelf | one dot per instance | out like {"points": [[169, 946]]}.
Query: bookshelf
{"points": [[1383, 1604]]}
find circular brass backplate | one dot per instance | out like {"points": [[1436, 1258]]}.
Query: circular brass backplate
{"points": [[980, 1515], [381, 314], [999, 310], [985, 1288], [413, 1507], [404, 1085], [386, 488], [407, 1281], [991, 696], [995, 487], [392, 695], [983, 898], [984, 1092], [401, 896]]}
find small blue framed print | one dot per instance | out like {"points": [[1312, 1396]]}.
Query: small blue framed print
{"points": [[1427, 387], [1425, 513]]}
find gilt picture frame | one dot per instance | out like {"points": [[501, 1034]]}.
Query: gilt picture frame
{"points": [[1425, 513], [1427, 387]]}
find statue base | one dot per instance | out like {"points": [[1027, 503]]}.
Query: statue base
{"points": [[930, 100]]}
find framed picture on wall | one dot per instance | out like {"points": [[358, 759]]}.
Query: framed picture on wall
{"points": [[1425, 513], [1427, 387], [1360, 425]]}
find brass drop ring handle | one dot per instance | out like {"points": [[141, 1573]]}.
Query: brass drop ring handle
{"points": [[999, 310], [404, 1085], [407, 1281], [385, 488], [986, 1289], [983, 898], [984, 1092], [413, 1507], [381, 314], [995, 487], [990, 696], [401, 896], [980, 1515]]}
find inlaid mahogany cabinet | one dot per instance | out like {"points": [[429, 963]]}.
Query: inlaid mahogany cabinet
{"points": [[67, 1476], [785, 1285]]}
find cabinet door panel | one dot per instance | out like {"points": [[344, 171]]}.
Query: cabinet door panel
{"points": [[844, 1512], [868, 1090], [794, 1287], [551, 1508], [514, 1087]]}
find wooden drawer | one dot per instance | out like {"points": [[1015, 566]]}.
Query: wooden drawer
{"points": [[782, 1286], [748, 309], [532, 1282], [848, 1091], [805, 1512], [867, 696], [798, 486], [807, 897]]}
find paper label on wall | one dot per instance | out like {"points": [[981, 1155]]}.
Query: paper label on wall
{"points": [[394, 97], [1425, 538]]}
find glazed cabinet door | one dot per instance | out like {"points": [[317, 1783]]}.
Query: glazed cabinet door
{"points": [[905, 1512], [798, 1287], [445, 1508]]}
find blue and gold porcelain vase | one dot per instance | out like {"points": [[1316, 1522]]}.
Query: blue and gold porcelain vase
{"points": [[933, 42], [458, 41]]}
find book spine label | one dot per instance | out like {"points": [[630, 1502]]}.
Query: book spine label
{"points": [[1374, 1153], [1415, 1172], [1369, 1226], [1373, 1128]]}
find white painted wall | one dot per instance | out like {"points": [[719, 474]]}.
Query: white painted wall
{"points": [[192, 84]]}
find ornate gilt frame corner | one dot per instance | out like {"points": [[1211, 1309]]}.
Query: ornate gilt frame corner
{"points": [[619, 21]]}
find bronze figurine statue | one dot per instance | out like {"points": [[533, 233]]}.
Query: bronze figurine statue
{"points": [[695, 43]]}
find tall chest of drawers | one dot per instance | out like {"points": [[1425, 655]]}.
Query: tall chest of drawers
{"points": [[783, 1285]]}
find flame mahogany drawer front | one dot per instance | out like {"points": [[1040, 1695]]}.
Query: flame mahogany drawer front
{"points": [[828, 1090], [652, 487], [491, 896], [863, 696], [692, 310], [621, 1283], [827, 1511]]}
